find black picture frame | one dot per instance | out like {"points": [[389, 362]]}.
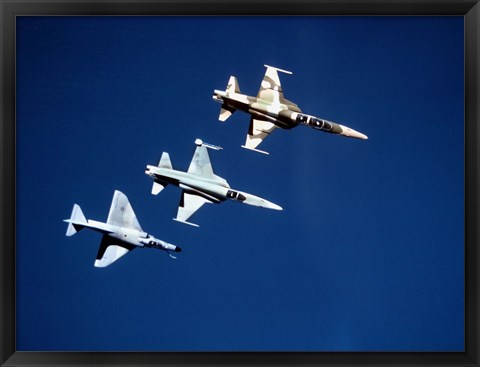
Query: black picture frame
{"points": [[9, 9]]}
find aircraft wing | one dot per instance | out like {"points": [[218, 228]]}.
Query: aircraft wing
{"points": [[189, 204], [121, 212], [202, 167], [271, 88], [110, 251], [257, 132], [200, 164]]}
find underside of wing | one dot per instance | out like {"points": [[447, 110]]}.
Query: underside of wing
{"points": [[201, 165], [271, 88], [257, 132], [110, 251], [121, 212], [189, 204]]}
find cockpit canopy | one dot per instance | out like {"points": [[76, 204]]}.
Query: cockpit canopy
{"points": [[314, 122], [235, 195], [320, 124]]}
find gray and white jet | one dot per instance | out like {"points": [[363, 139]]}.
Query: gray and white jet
{"points": [[199, 184], [270, 110], [121, 233]]}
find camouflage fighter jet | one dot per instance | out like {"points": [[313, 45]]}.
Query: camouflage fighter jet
{"points": [[121, 233], [199, 184], [270, 110]]}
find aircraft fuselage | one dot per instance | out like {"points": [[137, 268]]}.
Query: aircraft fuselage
{"points": [[282, 115], [214, 190], [130, 236]]}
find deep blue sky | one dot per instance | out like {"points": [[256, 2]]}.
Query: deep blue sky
{"points": [[368, 253]]}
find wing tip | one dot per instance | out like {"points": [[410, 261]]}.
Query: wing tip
{"points": [[185, 222], [200, 143], [255, 150], [278, 69]]}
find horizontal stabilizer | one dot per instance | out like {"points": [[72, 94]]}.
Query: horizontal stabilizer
{"points": [[165, 161], [157, 187], [233, 86], [225, 112], [76, 222]]}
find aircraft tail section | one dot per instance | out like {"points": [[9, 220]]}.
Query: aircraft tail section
{"points": [[232, 86], [76, 222], [226, 111], [157, 187], [165, 161]]}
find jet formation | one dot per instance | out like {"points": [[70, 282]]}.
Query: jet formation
{"points": [[270, 110], [199, 184], [121, 233]]}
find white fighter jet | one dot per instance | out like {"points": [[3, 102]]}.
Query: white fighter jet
{"points": [[121, 234], [270, 110], [199, 184]]}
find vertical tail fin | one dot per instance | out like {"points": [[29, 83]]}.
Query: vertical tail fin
{"points": [[76, 222]]}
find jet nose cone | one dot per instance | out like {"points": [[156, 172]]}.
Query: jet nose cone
{"points": [[274, 206], [269, 205], [178, 249], [258, 201], [346, 131]]}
